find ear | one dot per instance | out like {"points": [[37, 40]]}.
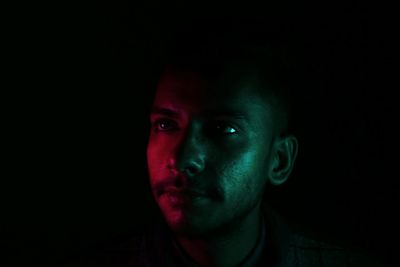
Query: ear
{"points": [[284, 153]]}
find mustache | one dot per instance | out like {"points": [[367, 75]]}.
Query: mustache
{"points": [[175, 185]]}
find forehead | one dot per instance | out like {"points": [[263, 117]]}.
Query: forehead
{"points": [[191, 91]]}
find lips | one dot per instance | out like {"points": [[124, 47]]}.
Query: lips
{"points": [[178, 196], [185, 192]]}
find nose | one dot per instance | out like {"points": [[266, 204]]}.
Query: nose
{"points": [[190, 154]]}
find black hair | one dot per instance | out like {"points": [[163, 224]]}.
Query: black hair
{"points": [[217, 50]]}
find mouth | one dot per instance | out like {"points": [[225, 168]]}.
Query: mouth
{"points": [[173, 189], [183, 196], [164, 188], [184, 192]]}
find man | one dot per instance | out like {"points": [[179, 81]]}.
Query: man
{"points": [[220, 137]]}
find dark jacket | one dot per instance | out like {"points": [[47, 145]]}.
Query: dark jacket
{"points": [[283, 248]]}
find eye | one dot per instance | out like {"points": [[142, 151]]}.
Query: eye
{"points": [[225, 128], [165, 125]]}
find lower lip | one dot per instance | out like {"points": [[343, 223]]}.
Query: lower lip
{"points": [[183, 199]]}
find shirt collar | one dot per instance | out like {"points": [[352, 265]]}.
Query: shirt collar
{"points": [[251, 260]]}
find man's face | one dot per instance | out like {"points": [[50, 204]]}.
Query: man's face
{"points": [[209, 151]]}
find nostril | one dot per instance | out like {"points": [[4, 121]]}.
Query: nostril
{"points": [[191, 171], [171, 163]]}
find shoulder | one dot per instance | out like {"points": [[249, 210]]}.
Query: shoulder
{"points": [[139, 249], [305, 251], [301, 248], [108, 255]]}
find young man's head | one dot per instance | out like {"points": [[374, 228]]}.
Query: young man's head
{"points": [[219, 135]]}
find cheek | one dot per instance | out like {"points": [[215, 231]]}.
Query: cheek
{"points": [[245, 174], [159, 151], [155, 157]]}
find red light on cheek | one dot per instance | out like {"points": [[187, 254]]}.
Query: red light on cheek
{"points": [[157, 161]]}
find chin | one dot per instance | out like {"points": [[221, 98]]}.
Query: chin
{"points": [[186, 226]]}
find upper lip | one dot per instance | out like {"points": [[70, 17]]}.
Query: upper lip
{"points": [[185, 191]]}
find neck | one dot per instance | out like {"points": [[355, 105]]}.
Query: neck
{"points": [[229, 249]]}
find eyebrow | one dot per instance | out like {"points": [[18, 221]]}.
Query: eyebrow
{"points": [[223, 112], [165, 112]]}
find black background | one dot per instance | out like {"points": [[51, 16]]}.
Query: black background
{"points": [[76, 123]]}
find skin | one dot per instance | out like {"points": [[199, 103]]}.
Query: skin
{"points": [[213, 147]]}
